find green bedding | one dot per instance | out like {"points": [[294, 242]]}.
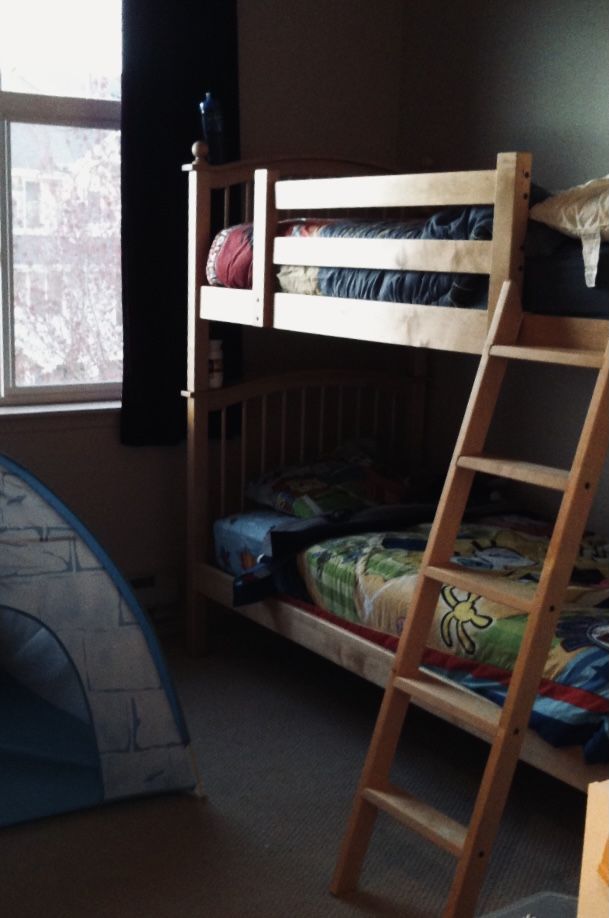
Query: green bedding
{"points": [[368, 580]]}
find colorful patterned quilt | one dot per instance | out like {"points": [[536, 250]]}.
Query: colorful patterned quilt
{"points": [[368, 580]]}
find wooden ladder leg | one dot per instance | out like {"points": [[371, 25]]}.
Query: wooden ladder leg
{"points": [[560, 559], [375, 773], [379, 760], [479, 412], [494, 788]]}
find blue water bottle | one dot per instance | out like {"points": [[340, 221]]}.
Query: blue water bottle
{"points": [[213, 129]]}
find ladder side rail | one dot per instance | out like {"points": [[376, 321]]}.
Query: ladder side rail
{"points": [[528, 670], [455, 493], [375, 773], [504, 328], [568, 530]]}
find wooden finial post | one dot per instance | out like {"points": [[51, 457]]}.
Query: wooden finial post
{"points": [[200, 151]]}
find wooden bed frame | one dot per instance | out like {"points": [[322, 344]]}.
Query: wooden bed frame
{"points": [[219, 467]]}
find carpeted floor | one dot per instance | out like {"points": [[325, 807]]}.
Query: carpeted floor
{"points": [[280, 736]]}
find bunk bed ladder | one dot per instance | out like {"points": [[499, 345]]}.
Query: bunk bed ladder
{"points": [[505, 727]]}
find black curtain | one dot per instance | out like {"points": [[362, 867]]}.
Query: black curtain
{"points": [[173, 52]]}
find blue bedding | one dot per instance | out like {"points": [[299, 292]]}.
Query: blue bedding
{"points": [[429, 288]]}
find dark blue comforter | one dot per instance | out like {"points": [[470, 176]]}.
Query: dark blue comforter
{"points": [[428, 288]]}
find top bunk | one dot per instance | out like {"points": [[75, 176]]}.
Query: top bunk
{"points": [[345, 250]]}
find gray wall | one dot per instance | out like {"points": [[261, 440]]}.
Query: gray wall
{"points": [[536, 79], [533, 76], [479, 76]]}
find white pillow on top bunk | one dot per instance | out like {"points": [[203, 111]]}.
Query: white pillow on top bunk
{"points": [[582, 212]]}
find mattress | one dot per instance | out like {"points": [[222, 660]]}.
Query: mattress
{"points": [[554, 283]]}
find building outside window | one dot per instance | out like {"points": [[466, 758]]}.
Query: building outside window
{"points": [[60, 201]]}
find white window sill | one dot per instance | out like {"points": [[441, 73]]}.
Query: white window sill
{"points": [[58, 408], [55, 415]]}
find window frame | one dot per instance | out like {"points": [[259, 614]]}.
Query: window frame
{"points": [[60, 111]]}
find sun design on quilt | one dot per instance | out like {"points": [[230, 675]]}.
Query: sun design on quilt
{"points": [[461, 614]]}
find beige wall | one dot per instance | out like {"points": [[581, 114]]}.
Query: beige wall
{"points": [[429, 85], [131, 499], [320, 78]]}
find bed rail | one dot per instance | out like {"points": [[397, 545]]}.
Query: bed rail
{"points": [[281, 191], [274, 197]]}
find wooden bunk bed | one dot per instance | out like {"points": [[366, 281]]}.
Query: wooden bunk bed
{"points": [[309, 405]]}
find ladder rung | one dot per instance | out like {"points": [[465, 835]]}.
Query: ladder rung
{"points": [[499, 589], [542, 475], [464, 709], [433, 825], [559, 355]]}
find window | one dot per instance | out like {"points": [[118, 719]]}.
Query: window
{"points": [[60, 276]]}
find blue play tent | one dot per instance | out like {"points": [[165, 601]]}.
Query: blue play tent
{"points": [[88, 713]]}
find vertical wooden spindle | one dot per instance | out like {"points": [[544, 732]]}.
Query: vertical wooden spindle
{"points": [[243, 451], [263, 435], [227, 206], [322, 418], [393, 420], [223, 462], [375, 417], [283, 425], [303, 415], [249, 195]]}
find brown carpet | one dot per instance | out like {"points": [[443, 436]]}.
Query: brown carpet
{"points": [[280, 736]]}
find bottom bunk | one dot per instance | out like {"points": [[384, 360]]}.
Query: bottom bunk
{"points": [[573, 703], [325, 551]]}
